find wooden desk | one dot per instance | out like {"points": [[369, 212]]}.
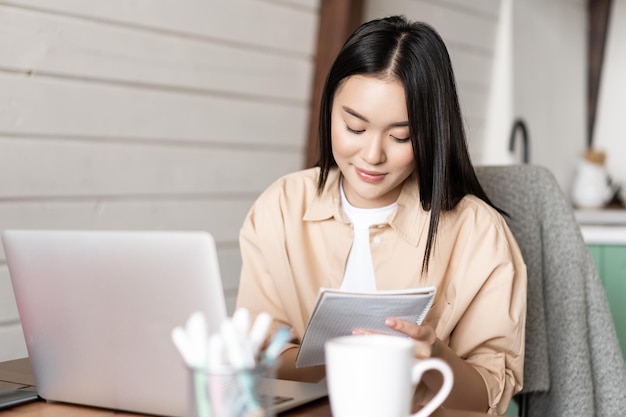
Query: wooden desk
{"points": [[18, 373]]}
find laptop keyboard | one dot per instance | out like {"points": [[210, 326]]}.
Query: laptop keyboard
{"points": [[13, 397]]}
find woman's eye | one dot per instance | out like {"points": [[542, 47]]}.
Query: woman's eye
{"points": [[355, 131], [401, 140]]}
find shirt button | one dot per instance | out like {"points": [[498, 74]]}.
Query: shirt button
{"points": [[378, 239]]}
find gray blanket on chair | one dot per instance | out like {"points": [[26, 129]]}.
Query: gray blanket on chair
{"points": [[573, 364]]}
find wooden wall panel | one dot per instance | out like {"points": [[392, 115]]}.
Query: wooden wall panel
{"points": [[230, 265], [308, 4], [8, 309], [61, 46], [239, 23], [49, 168], [70, 108], [13, 345]]}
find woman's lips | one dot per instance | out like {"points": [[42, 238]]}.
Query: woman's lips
{"points": [[369, 176]]}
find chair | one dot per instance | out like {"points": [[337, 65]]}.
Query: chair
{"points": [[573, 365]]}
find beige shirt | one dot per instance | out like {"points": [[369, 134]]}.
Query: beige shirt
{"points": [[295, 241]]}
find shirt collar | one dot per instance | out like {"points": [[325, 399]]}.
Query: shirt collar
{"points": [[409, 219], [326, 204]]}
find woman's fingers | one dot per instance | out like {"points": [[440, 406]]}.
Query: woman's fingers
{"points": [[413, 330], [424, 335]]}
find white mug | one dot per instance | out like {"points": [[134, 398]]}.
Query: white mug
{"points": [[376, 375]]}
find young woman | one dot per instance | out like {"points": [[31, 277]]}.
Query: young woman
{"points": [[394, 203]]}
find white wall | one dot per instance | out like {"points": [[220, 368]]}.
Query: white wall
{"points": [[610, 133], [148, 114], [499, 115], [550, 81]]}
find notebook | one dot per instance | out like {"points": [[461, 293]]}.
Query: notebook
{"points": [[97, 309], [358, 311]]}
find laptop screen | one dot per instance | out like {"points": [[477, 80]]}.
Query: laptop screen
{"points": [[97, 309]]}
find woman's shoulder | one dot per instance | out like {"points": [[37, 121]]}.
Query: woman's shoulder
{"points": [[481, 223], [293, 187], [475, 210]]}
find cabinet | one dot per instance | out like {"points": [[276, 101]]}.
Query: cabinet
{"points": [[611, 263]]}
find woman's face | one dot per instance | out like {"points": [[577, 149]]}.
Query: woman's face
{"points": [[370, 139]]}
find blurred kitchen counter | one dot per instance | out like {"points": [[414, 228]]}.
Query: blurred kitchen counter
{"points": [[602, 226]]}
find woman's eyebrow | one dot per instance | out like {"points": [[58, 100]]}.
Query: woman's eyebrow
{"points": [[354, 113], [361, 117]]}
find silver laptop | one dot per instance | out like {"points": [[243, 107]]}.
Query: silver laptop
{"points": [[98, 307]]}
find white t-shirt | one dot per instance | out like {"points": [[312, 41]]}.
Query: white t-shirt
{"points": [[359, 274]]}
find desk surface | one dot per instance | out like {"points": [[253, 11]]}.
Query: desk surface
{"points": [[18, 373]]}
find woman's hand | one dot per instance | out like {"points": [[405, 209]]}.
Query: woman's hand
{"points": [[423, 335]]}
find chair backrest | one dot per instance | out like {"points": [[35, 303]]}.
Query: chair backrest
{"points": [[571, 344]]}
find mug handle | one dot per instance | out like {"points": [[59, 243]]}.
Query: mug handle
{"points": [[448, 379]]}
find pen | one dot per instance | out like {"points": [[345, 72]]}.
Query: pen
{"points": [[237, 348], [241, 321], [259, 331], [280, 338]]}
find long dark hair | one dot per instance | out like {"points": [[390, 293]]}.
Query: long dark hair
{"points": [[414, 54]]}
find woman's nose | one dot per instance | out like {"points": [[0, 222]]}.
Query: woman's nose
{"points": [[373, 151]]}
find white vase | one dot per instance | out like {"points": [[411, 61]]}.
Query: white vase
{"points": [[591, 187]]}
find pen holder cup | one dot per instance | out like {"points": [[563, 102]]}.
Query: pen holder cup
{"points": [[230, 393]]}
